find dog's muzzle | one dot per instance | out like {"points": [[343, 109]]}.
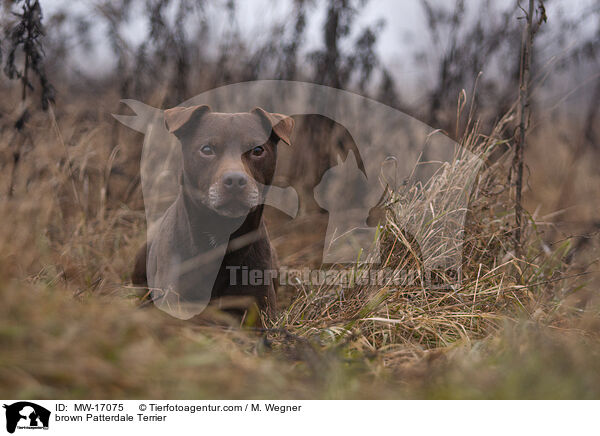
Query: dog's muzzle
{"points": [[234, 195]]}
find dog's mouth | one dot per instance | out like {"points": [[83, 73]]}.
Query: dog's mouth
{"points": [[234, 206]]}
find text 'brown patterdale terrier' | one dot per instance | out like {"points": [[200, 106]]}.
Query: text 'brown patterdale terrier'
{"points": [[215, 226]]}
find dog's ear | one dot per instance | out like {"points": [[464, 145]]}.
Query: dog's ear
{"points": [[179, 118], [282, 125]]}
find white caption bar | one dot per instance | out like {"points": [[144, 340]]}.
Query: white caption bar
{"points": [[298, 417]]}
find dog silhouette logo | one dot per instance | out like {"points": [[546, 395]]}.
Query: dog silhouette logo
{"points": [[344, 192], [379, 150], [26, 415]]}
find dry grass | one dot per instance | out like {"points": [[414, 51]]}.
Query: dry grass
{"points": [[70, 326], [418, 315]]}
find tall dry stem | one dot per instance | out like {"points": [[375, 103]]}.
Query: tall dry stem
{"points": [[526, 48]]}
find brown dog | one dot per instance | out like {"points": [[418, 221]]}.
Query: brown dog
{"points": [[213, 233]]}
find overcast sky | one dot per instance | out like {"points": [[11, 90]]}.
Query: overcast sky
{"points": [[402, 17], [402, 35]]}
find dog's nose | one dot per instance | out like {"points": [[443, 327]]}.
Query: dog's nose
{"points": [[234, 180]]}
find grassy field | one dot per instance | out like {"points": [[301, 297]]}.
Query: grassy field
{"points": [[71, 326]]}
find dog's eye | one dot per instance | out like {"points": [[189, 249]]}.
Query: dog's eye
{"points": [[207, 150], [257, 151]]}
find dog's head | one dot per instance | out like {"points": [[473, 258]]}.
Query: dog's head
{"points": [[228, 158]]}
